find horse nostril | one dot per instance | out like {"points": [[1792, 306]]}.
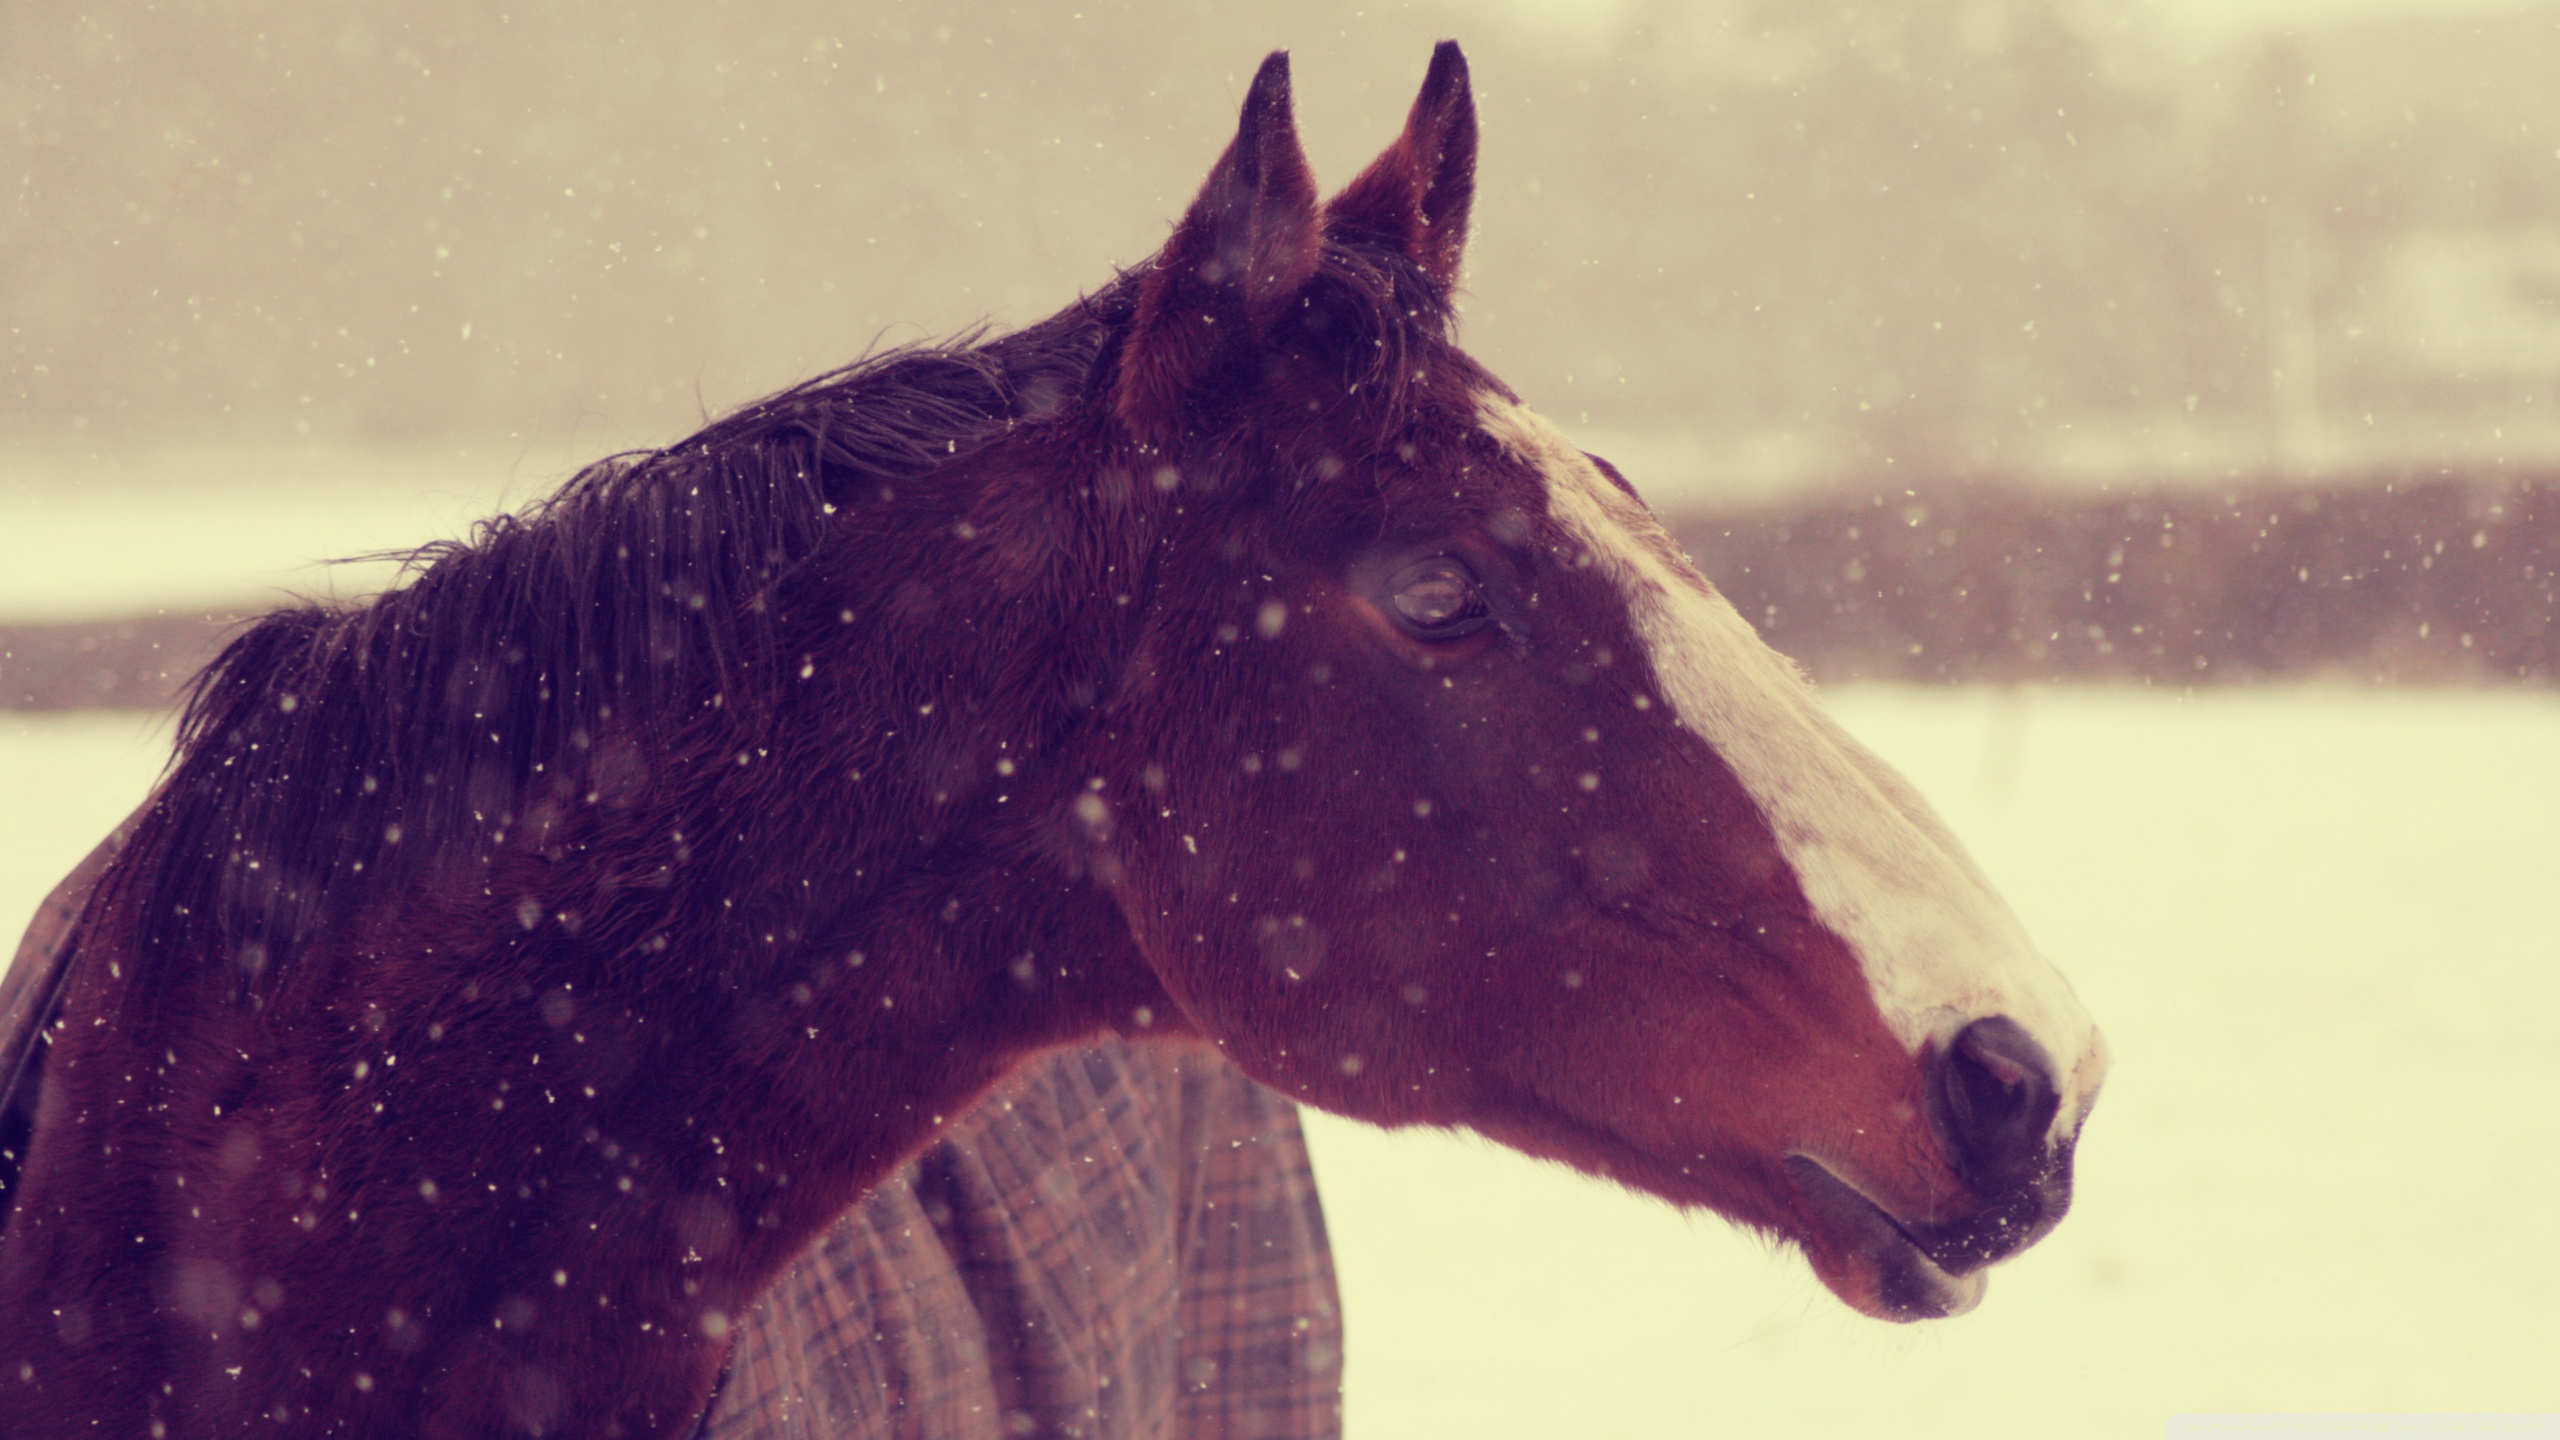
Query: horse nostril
{"points": [[1996, 1099]]}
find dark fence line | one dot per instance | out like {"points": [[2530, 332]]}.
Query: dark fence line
{"points": [[134, 663], [2424, 579]]}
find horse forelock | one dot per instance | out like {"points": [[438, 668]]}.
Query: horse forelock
{"points": [[1934, 943], [1399, 319]]}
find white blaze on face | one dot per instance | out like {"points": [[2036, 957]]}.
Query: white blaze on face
{"points": [[1938, 947]]}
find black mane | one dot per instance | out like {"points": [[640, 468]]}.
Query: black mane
{"points": [[324, 736]]}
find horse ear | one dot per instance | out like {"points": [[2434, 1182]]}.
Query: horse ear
{"points": [[1238, 258], [1416, 196]]}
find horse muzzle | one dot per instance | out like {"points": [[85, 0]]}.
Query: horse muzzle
{"points": [[1993, 1101]]}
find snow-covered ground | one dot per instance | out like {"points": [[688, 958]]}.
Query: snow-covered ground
{"points": [[2322, 929]]}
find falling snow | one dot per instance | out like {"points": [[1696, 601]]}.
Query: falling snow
{"points": [[2317, 925]]}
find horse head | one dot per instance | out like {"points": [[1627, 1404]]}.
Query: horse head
{"points": [[1442, 789]]}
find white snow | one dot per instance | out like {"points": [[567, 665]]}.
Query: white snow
{"points": [[2322, 930], [65, 780]]}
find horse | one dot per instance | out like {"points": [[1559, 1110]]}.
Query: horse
{"points": [[515, 969]]}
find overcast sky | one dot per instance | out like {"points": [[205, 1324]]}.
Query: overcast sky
{"points": [[2207, 21], [2215, 19]]}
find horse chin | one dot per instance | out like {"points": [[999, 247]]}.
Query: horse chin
{"points": [[1867, 1259]]}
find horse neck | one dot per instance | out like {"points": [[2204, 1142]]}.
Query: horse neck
{"points": [[809, 922], [906, 789], [955, 643]]}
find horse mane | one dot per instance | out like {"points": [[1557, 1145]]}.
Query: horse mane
{"points": [[335, 753]]}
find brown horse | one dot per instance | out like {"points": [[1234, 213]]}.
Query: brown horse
{"points": [[515, 971]]}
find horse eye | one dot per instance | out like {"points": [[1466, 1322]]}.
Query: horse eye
{"points": [[1437, 598]]}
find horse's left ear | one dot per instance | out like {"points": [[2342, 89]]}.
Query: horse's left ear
{"points": [[1416, 196], [1238, 258]]}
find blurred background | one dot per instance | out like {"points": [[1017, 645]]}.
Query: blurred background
{"points": [[2141, 416]]}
